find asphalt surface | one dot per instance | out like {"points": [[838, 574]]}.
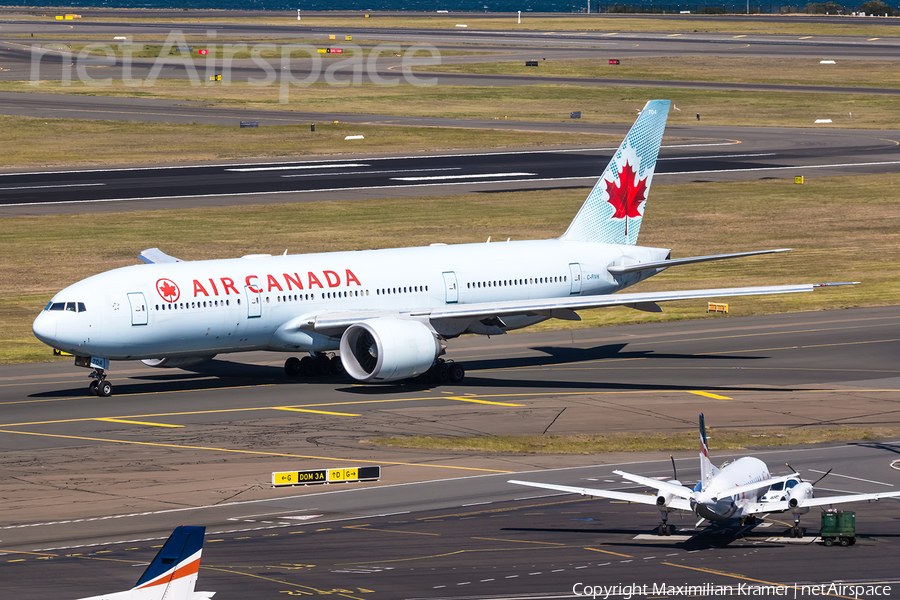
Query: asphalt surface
{"points": [[698, 154], [484, 538], [91, 485]]}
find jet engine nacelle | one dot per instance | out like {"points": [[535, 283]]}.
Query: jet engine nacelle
{"points": [[799, 493], [176, 363], [388, 349], [663, 500]]}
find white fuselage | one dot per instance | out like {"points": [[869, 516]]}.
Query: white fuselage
{"points": [[715, 502], [203, 308]]}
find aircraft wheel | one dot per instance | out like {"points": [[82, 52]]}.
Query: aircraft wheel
{"points": [[337, 366], [845, 541], [307, 366], [441, 373], [852, 541], [796, 532], [457, 373], [323, 364], [829, 542], [104, 389], [92, 388], [292, 366]]}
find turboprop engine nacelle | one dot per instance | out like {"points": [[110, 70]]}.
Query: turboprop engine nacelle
{"points": [[388, 349], [799, 493]]}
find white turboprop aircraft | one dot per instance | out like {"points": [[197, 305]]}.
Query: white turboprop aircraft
{"points": [[736, 491], [387, 311], [172, 574]]}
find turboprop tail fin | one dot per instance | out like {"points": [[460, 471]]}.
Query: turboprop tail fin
{"points": [[707, 470], [613, 210]]}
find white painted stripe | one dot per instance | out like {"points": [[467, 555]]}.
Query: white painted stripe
{"points": [[459, 155], [375, 172], [717, 156], [42, 187], [834, 166], [476, 176], [856, 478], [290, 167]]}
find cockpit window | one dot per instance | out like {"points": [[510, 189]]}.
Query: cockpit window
{"points": [[71, 306], [81, 307], [49, 304], [58, 306], [777, 487], [791, 483]]}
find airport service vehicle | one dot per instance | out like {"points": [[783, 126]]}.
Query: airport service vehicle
{"points": [[736, 491], [388, 312], [173, 573]]}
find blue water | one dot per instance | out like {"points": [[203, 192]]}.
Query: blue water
{"points": [[431, 6]]}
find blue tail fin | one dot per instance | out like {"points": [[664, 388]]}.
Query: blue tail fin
{"points": [[614, 209], [173, 572]]}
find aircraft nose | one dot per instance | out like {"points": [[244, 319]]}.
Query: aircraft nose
{"points": [[44, 328]]}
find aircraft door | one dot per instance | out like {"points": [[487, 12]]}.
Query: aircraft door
{"points": [[254, 303], [138, 308], [451, 288], [575, 273]]}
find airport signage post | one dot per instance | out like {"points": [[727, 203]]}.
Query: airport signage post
{"points": [[320, 476]]}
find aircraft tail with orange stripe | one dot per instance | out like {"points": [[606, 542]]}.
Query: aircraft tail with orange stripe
{"points": [[172, 574]]}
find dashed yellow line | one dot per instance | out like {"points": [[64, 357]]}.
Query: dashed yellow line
{"points": [[367, 528], [112, 420], [740, 36], [477, 401], [518, 541], [709, 395], [318, 412], [608, 552]]}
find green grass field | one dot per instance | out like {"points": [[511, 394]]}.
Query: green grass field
{"points": [[724, 439]]}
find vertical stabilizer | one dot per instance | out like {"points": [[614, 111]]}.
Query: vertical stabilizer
{"points": [[614, 209], [173, 572], [707, 470]]}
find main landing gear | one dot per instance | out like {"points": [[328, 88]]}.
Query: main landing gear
{"points": [[314, 366], [443, 372], [100, 386], [664, 527]]}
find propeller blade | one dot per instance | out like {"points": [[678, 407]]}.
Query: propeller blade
{"points": [[798, 473], [823, 476]]}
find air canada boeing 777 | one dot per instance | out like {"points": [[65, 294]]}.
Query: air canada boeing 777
{"points": [[388, 312]]}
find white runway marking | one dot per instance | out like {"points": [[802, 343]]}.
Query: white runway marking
{"points": [[375, 172], [476, 176], [43, 187], [293, 167], [856, 478]]}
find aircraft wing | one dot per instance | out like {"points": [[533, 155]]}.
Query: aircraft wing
{"points": [[661, 486], [152, 256], [847, 498], [563, 307], [649, 499]]}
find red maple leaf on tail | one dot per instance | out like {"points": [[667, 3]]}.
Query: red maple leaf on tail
{"points": [[628, 196]]}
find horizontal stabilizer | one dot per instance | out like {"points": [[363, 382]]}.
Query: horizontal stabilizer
{"points": [[661, 486], [665, 264], [847, 498], [153, 256]]}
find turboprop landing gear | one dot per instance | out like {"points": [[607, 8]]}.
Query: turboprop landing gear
{"points": [[100, 386], [796, 530], [664, 527]]}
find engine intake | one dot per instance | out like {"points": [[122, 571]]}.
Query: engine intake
{"points": [[388, 349]]}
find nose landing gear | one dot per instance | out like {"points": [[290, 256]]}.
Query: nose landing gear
{"points": [[100, 386]]}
